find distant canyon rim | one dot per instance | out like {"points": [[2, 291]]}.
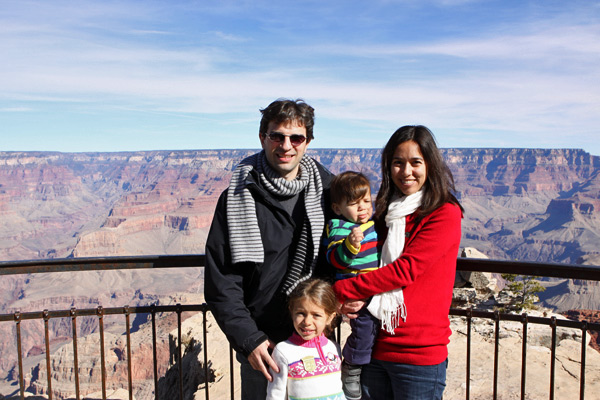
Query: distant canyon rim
{"points": [[524, 204]]}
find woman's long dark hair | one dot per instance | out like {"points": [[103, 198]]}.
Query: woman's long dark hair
{"points": [[439, 186]]}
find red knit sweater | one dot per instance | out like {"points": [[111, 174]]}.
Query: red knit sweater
{"points": [[426, 270]]}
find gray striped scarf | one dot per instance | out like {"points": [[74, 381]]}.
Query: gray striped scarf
{"points": [[244, 233]]}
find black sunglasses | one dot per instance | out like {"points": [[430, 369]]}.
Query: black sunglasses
{"points": [[277, 137]]}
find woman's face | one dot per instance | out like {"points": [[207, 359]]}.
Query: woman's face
{"points": [[409, 171]]}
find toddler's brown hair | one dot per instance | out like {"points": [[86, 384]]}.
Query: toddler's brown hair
{"points": [[349, 186]]}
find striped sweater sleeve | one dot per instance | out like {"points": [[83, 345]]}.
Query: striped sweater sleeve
{"points": [[345, 258]]}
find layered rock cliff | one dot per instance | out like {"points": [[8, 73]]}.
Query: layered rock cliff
{"points": [[527, 204]]}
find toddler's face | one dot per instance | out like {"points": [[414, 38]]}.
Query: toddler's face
{"points": [[357, 211]]}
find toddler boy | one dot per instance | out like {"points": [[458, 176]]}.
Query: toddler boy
{"points": [[352, 249]]}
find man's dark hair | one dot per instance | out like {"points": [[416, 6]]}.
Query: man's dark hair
{"points": [[288, 111]]}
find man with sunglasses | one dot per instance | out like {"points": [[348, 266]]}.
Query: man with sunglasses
{"points": [[265, 239]]}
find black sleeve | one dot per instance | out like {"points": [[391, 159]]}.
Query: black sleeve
{"points": [[323, 269], [223, 287]]}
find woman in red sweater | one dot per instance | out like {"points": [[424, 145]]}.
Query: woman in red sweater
{"points": [[420, 220]]}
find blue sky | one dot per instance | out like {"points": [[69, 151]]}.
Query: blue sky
{"points": [[168, 75]]}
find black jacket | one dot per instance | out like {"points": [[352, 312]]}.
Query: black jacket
{"points": [[245, 297]]}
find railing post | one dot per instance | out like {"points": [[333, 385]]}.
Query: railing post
{"points": [[179, 350], [231, 374], [128, 334], [100, 313], [205, 339], [553, 356], [17, 317], [524, 319], [154, 352], [75, 357], [496, 351], [46, 317], [468, 380], [584, 326]]}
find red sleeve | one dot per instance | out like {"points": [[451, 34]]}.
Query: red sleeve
{"points": [[437, 234]]}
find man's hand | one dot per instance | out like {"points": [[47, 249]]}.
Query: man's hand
{"points": [[351, 307], [260, 359]]}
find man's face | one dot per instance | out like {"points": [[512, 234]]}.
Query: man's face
{"points": [[284, 152]]}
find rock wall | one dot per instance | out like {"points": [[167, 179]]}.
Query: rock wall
{"points": [[527, 204]]}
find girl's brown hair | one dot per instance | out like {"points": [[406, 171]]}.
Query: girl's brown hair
{"points": [[319, 292]]}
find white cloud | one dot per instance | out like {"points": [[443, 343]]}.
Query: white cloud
{"points": [[229, 37], [535, 78]]}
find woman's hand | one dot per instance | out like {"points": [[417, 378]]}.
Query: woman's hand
{"points": [[352, 307]]}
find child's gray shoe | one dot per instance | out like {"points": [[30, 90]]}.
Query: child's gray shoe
{"points": [[351, 381]]}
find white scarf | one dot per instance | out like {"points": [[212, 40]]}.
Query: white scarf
{"points": [[389, 307]]}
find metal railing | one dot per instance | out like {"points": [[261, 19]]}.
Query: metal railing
{"points": [[157, 262]]}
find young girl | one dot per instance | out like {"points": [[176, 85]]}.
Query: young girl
{"points": [[309, 363]]}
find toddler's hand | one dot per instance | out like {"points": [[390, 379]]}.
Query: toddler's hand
{"points": [[356, 236]]}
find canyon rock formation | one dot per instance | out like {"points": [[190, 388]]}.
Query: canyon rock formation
{"points": [[526, 204]]}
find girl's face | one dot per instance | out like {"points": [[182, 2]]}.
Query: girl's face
{"points": [[409, 171], [310, 319]]}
